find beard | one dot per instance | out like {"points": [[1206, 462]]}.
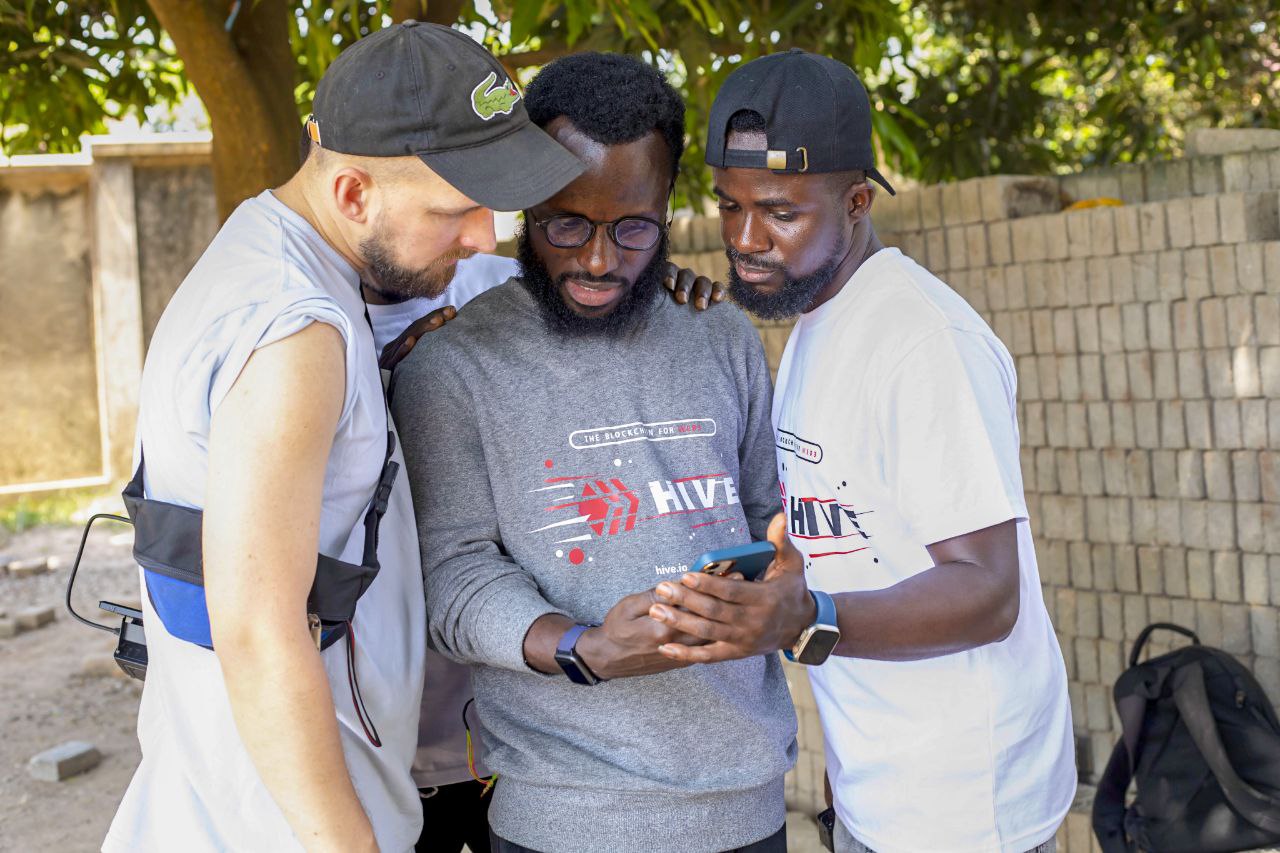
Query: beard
{"points": [[796, 294], [396, 283], [562, 319]]}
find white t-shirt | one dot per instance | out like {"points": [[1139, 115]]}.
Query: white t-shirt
{"points": [[442, 739], [473, 277], [896, 428], [267, 275]]}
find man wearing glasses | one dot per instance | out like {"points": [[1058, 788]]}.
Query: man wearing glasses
{"points": [[569, 447]]}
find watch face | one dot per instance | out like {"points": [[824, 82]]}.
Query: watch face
{"points": [[821, 642]]}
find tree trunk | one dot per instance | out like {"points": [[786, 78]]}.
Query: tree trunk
{"points": [[245, 79]]}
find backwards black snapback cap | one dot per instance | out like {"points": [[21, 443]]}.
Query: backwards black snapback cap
{"points": [[431, 91], [816, 113]]}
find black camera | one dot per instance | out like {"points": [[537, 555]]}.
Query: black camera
{"points": [[131, 647]]}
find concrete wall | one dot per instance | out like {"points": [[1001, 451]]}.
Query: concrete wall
{"points": [[49, 423], [92, 245], [1147, 343], [177, 217]]}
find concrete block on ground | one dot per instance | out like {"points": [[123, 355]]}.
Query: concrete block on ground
{"points": [[1195, 271], [1055, 237], [64, 761], [1226, 576], [975, 238], [935, 250], [1265, 629], [1169, 268], [1178, 217], [1217, 141], [1102, 232], [930, 206], [957, 248], [1253, 424], [1133, 183], [9, 627], [29, 568], [971, 201], [951, 214], [34, 617], [1015, 196], [1248, 217], [1204, 220], [1206, 175], [1247, 172], [998, 241], [1028, 239], [1146, 280], [1128, 230], [1151, 227], [1078, 235]]}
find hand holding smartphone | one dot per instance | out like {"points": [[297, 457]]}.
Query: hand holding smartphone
{"points": [[750, 560]]}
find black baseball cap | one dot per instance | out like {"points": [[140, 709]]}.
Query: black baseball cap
{"points": [[816, 113], [429, 90]]}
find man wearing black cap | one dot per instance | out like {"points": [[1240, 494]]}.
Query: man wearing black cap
{"points": [[943, 701], [262, 405]]}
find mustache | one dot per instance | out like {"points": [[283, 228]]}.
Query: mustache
{"points": [[757, 261], [607, 278], [455, 255]]}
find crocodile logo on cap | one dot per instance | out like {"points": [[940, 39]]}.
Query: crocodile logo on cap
{"points": [[489, 99]]}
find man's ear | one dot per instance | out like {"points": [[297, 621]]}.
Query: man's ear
{"points": [[859, 198], [353, 193]]}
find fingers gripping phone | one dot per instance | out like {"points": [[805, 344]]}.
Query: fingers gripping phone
{"points": [[751, 560]]}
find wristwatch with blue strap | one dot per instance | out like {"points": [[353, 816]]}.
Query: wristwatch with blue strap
{"points": [[818, 640], [567, 657]]}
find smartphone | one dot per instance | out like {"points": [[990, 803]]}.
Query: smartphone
{"points": [[750, 560]]}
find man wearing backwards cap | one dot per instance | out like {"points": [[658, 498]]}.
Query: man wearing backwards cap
{"points": [[262, 405], [944, 702]]}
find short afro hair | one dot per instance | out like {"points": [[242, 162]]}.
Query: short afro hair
{"points": [[611, 98]]}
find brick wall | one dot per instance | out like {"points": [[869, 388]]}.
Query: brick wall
{"points": [[1147, 343]]}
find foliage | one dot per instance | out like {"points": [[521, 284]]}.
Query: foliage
{"points": [[64, 68], [1036, 86], [961, 87], [63, 508]]}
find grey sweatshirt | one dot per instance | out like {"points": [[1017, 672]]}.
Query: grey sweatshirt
{"points": [[557, 474]]}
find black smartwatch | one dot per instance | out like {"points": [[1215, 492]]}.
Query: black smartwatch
{"points": [[818, 640], [567, 657]]}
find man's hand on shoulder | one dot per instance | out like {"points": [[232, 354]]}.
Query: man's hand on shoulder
{"points": [[685, 284], [736, 618], [395, 352]]}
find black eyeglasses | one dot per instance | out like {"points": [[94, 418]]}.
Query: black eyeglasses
{"points": [[569, 231]]}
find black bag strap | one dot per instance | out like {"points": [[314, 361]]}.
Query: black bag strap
{"points": [[1146, 633], [1108, 804], [1189, 694]]}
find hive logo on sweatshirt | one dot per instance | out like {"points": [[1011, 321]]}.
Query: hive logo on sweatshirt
{"points": [[589, 507]]}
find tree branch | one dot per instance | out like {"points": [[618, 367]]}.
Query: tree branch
{"points": [[443, 12]]}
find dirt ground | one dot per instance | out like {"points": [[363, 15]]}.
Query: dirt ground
{"points": [[57, 683], [47, 695]]}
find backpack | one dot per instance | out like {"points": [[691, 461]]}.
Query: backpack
{"points": [[1202, 742]]}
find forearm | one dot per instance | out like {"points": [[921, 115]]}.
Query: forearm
{"points": [[602, 657], [481, 609], [284, 713], [949, 608], [540, 642]]}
